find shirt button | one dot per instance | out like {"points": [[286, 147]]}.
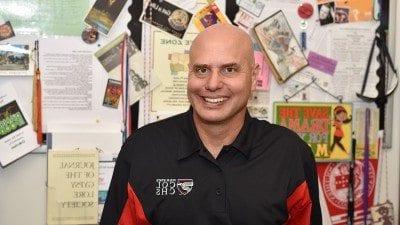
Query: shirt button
{"points": [[218, 192]]}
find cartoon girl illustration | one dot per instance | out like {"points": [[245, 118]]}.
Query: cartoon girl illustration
{"points": [[341, 117]]}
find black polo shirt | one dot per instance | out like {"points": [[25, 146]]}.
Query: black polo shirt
{"points": [[164, 175]]}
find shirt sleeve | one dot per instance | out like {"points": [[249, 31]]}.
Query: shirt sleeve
{"points": [[311, 176], [117, 193], [303, 199], [122, 206]]}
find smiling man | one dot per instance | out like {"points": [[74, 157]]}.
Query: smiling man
{"points": [[214, 164]]}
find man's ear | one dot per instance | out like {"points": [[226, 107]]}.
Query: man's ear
{"points": [[256, 71]]}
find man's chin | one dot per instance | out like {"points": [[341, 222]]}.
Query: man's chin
{"points": [[210, 117]]}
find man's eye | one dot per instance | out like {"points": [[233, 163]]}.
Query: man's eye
{"points": [[202, 70], [229, 70]]}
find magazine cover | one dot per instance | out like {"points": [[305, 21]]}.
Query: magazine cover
{"points": [[326, 127]]}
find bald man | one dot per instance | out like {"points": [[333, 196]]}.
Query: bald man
{"points": [[214, 164]]}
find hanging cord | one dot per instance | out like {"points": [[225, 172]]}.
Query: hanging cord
{"points": [[313, 81]]}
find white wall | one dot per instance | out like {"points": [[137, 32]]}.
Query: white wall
{"points": [[23, 191]]}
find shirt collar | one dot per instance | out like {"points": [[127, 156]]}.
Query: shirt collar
{"points": [[190, 142]]}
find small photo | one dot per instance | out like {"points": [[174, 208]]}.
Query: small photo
{"points": [[138, 83], [14, 57], [6, 31], [11, 119], [110, 55], [208, 16], [341, 15], [112, 94], [326, 13], [104, 13]]}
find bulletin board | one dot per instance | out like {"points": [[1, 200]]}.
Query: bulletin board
{"points": [[140, 63]]}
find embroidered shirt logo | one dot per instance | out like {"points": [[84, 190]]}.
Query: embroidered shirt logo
{"points": [[184, 186], [174, 186]]}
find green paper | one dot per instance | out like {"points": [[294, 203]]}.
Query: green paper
{"points": [[45, 17]]}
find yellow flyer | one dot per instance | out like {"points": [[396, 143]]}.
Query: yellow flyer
{"points": [[72, 194], [170, 65], [325, 127]]}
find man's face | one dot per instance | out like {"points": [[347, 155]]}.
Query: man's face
{"points": [[221, 79]]}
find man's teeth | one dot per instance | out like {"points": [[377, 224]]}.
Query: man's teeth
{"points": [[214, 100]]}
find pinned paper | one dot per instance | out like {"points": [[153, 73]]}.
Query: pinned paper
{"points": [[322, 63], [263, 75]]}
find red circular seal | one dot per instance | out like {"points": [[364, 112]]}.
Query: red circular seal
{"points": [[305, 10], [335, 183]]}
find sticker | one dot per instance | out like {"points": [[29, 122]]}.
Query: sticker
{"points": [[90, 35], [305, 10]]}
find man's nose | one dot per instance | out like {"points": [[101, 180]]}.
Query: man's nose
{"points": [[214, 81]]}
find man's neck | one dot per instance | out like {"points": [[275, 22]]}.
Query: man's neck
{"points": [[215, 136]]}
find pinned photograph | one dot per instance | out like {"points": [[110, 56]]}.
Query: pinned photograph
{"points": [[284, 54], [326, 13], [11, 119], [167, 17], [112, 94], [6, 31], [341, 15], [110, 55], [103, 14], [15, 60], [208, 16]]}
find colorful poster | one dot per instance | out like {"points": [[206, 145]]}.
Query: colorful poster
{"points": [[334, 178], [326, 127]]}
